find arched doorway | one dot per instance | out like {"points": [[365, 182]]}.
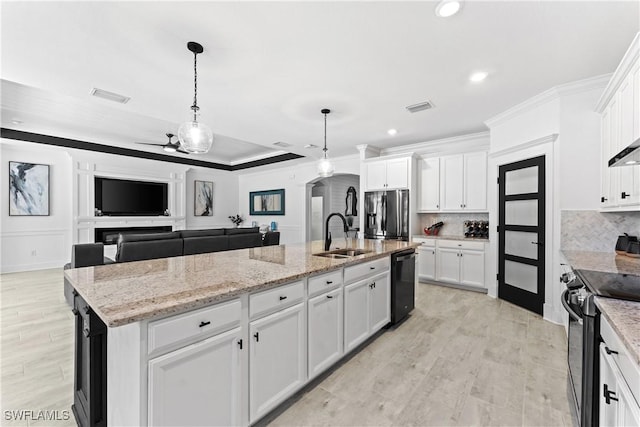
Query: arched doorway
{"points": [[327, 195]]}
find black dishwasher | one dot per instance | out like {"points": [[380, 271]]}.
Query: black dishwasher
{"points": [[403, 284]]}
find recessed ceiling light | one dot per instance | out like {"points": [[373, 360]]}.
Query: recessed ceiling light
{"points": [[631, 162], [310, 146], [447, 8], [16, 121], [478, 76], [282, 144], [392, 132]]}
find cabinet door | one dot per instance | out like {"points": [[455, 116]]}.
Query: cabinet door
{"points": [[379, 303], [451, 183], [448, 265], [429, 184], [617, 405], [325, 331], [629, 188], [475, 181], [472, 268], [427, 262], [277, 359], [397, 173], [197, 385], [377, 175], [607, 196], [356, 314]]}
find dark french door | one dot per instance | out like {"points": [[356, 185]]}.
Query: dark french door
{"points": [[521, 232]]}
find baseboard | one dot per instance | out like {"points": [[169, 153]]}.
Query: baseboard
{"points": [[456, 286]]}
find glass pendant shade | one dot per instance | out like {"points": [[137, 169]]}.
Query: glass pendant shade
{"points": [[195, 137], [325, 167]]}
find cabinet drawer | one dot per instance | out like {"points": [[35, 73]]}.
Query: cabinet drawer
{"points": [[425, 242], [460, 244], [275, 299], [192, 326], [629, 369], [325, 282], [365, 269]]}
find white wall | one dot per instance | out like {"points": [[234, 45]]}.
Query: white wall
{"points": [[294, 179], [225, 198], [36, 242]]}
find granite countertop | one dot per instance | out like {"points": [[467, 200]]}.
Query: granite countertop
{"points": [[128, 292], [448, 237], [624, 316]]}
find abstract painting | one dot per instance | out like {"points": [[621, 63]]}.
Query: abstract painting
{"points": [[270, 202], [28, 189], [203, 198]]}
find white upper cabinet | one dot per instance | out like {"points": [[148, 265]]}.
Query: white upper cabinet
{"points": [[463, 182], [620, 126], [429, 196], [387, 174]]}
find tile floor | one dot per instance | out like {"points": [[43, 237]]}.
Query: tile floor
{"points": [[462, 358]]}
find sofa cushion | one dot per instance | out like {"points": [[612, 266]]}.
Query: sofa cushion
{"points": [[202, 233], [87, 255], [142, 237], [248, 230], [241, 241], [204, 244], [149, 249]]}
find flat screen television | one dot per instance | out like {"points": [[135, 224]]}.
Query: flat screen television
{"points": [[120, 197]]}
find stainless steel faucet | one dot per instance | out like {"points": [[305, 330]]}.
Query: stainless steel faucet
{"points": [[327, 235]]}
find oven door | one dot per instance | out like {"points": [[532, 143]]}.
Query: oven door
{"points": [[574, 353]]}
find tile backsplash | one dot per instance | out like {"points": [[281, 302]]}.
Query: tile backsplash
{"points": [[596, 231], [453, 222]]}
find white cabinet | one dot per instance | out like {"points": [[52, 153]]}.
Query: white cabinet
{"points": [[618, 407], [387, 174], [429, 195], [367, 308], [463, 182], [199, 384], [325, 337], [460, 262], [620, 126], [277, 359], [427, 261]]}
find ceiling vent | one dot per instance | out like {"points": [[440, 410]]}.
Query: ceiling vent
{"points": [[282, 144], [427, 105], [110, 96]]}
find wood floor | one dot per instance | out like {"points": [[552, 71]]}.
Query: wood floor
{"points": [[462, 358]]}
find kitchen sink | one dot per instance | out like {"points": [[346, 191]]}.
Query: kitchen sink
{"points": [[342, 253]]}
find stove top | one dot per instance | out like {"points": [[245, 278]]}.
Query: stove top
{"points": [[612, 285]]}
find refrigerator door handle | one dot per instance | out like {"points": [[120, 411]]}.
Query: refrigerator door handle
{"points": [[383, 221]]}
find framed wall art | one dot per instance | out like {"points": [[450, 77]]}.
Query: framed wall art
{"points": [[28, 189], [203, 198], [270, 202]]}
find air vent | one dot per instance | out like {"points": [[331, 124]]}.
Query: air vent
{"points": [[110, 96], [282, 144], [427, 105]]}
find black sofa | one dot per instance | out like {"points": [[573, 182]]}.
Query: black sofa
{"points": [[144, 246]]}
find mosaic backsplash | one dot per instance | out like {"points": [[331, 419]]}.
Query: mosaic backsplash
{"points": [[453, 222], [596, 231]]}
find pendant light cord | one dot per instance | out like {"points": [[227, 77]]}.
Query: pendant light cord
{"points": [[324, 150], [194, 107]]}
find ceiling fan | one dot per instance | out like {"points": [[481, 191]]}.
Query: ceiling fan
{"points": [[169, 147]]}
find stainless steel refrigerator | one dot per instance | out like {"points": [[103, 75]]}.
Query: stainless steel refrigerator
{"points": [[386, 215]]}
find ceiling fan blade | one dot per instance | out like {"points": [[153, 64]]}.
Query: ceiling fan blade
{"points": [[147, 143], [180, 150]]}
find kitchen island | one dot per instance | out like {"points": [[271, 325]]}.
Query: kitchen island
{"points": [[224, 338]]}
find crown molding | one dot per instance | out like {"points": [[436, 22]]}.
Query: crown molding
{"points": [[551, 138], [628, 60], [549, 95], [478, 141]]}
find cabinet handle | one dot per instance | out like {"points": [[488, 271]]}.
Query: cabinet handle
{"points": [[86, 332], [330, 296], [256, 336], [609, 351], [372, 268], [329, 282], [373, 285], [281, 298], [603, 199], [624, 195], [74, 310], [609, 395], [240, 344], [203, 324], [433, 252]]}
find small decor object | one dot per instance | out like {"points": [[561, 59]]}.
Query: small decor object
{"points": [[434, 229], [236, 220], [194, 136], [203, 198], [352, 202], [270, 202], [274, 226], [325, 167], [28, 189]]}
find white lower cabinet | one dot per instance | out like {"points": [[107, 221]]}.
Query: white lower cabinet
{"points": [[197, 385], [367, 306], [618, 407], [277, 360], [427, 262], [325, 337], [460, 262]]}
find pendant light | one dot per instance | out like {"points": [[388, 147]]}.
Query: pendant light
{"points": [[195, 137], [325, 167]]}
